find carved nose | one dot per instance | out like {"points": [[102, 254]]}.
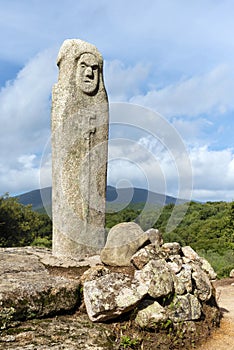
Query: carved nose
{"points": [[88, 72]]}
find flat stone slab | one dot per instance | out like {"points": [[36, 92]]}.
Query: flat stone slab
{"points": [[59, 333], [27, 290], [46, 258]]}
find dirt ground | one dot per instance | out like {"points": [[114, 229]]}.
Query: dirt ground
{"points": [[223, 337]]}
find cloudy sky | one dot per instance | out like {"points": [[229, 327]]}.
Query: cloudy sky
{"points": [[174, 57]]}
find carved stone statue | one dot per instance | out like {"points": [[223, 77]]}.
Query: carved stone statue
{"points": [[79, 151]]}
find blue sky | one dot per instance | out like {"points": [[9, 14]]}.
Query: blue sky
{"points": [[175, 57]]}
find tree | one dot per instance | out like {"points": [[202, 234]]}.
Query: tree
{"points": [[19, 224]]}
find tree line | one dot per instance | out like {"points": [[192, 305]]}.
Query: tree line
{"points": [[206, 227]]}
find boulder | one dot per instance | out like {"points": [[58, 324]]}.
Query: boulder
{"points": [[27, 290], [232, 273], [64, 332], [111, 295], [123, 241]]}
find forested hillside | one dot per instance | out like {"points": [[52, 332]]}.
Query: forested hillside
{"points": [[208, 227]]}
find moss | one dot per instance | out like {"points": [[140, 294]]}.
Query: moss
{"points": [[6, 317]]}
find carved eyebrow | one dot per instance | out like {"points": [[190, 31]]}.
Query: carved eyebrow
{"points": [[94, 66], [82, 62]]}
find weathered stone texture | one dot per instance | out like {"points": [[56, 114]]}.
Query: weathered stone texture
{"points": [[143, 256], [79, 151], [205, 265], [183, 280], [27, 289], [111, 295], [122, 242], [158, 277], [184, 308], [59, 333], [159, 293], [151, 315], [155, 236], [190, 254], [172, 248], [203, 285]]}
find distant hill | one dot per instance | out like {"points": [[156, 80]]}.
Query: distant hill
{"points": [[37, 198], [42, 198]]}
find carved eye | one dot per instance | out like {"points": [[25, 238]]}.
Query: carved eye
{"points": [[83, 65], [95, 67]]}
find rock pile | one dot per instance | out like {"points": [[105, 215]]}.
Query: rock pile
{"points": [[168, 282], [147, 283]]}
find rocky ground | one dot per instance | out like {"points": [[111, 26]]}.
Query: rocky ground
{"points": [[42, 308]]}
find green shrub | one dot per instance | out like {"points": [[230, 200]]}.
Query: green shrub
{"points": [[43, 242]]}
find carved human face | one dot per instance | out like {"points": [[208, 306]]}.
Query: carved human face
{"points": [[88, 73]]}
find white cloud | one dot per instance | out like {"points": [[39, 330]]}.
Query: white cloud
{"points": [[196, 131], [25, 120], [209, 93], [213, 173], [27, 160], [147, 163], [124, 81], [180, 35]]}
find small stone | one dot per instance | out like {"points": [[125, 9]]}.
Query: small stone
{"points": [[151, 316], [205, 265], [157, 277], [171, 248], [175, 263], [143, 256], [190, 253], [232, 273], [94, 273], [183, 280], [185, 260], [203, 286], [184, 308], [155, 236]]}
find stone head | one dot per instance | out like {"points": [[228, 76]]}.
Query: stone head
{"points": [[81, 68], [87, 74]]}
